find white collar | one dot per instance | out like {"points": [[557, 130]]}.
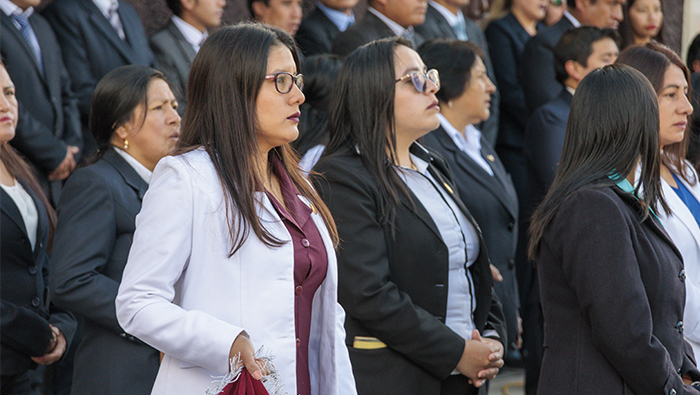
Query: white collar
{"points": [[470, 139], [570, 89], [395, 27], [10, 8], [451, 18], [571, 18], [105, 5], [140, 169], [191, 33]]}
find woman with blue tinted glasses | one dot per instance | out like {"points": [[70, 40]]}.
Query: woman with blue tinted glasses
{"points": [[413, 271], [233, 249]]}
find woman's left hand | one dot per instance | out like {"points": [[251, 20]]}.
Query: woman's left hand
{"points": [[56, 352]]}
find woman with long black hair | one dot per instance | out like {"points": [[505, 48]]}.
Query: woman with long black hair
{"points": [[612, 297]]}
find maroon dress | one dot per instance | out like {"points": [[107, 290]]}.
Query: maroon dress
{"points": [[310, 266]]}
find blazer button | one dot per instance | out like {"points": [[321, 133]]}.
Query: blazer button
{"points": [[681, 275], [36, 301], [305, 242], [679, 326], [298, 342], [672, 391], [511, 264], [298, 290], [511, 225], [33, 270]]}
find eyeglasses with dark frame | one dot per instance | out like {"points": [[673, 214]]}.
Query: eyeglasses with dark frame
{"points": [[420, 79], [285, 80]]}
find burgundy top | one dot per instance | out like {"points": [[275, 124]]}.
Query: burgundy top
{"points": [[310, 266]]}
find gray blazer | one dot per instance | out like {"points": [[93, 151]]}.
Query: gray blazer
{"points": [[174, 55], [369, 29], [436, 26], [96, 223]]}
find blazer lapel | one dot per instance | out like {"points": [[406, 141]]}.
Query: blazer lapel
{"points": [[42, 220], [495, 184], [106, 29], [508, 196], [182, 43], [10, 209], [127, 172], [10, 26], [441, 23]]}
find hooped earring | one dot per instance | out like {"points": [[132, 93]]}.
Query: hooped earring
{"points": [[126, 144]]}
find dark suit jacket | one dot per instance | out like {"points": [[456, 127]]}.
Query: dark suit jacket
{"points": [[494, 205], [92, 48], [544, 141], [369, 29], [95, 228], [48, 112], [393, 281], [174, 55], [316, 33], [24, 325], [436, 26], [613, 300], [506, 39], [537, 74]]}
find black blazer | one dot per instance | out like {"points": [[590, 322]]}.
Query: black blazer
{"points": [[91, 47], [393, 281], [24, 325], [174, 55], [494, 204], [316, 33], [544, 141], [369, 29], [96, 222], [436, 26], [613, 295], [506, 39], [49, 119], [537, 74]]}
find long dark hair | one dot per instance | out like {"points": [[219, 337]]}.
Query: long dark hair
{"points": [[223, 86], [625, 28], [20, 170], [613, 124], [652, 60], [115, 99], [362, 116]]}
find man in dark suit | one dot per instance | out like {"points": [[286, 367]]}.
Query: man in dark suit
{"points": [[384, 18], [538, 79], [96, 36], [444, 19], [48, 132], [578, 52], [318, 30], [176, 45]]}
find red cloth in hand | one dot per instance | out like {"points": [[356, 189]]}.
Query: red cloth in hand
{"points": [[245, 385]]}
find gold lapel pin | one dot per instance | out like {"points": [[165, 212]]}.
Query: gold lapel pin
{"points": [[491, 158], [448, 188]]}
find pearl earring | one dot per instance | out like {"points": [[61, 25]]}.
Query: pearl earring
{"points": [[126, 144]]}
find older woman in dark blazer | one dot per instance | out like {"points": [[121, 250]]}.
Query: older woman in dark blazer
{"points": [[482, 182], [135, 122], [610, 276], [413, 269], [31, 332]]}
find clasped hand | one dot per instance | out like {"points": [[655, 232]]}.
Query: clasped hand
{"points": [[55, 350], [481, 359]]}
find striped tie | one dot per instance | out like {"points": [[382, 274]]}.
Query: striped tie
{"points": [[28, 33]]}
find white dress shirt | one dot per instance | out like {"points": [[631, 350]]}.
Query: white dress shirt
{"points": [[340, 19], [469, 142], [140, 169], [105, 5], [25, 204], [571, 18], [395, 27], [461, 240], [451, 18], [11, 8], [191, 33]]}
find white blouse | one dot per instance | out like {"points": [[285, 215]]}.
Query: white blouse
{"points": [[27, 209]]}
